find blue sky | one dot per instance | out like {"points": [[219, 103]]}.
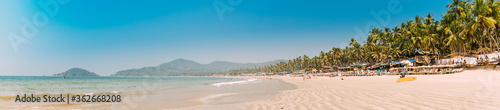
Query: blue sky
{"points": [[112, 35]]}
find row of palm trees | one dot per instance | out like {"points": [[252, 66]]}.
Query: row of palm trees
{"points": [[468, 27]]}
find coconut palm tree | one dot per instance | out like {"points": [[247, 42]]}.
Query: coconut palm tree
{"points": [[454, 40], [494, 12], [482, 22]]}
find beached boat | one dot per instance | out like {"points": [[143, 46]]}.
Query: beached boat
{"points": [[406, 79]]}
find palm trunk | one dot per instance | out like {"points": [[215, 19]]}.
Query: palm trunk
{"points": [[495, 39], [482, 43], [491, 46], [464, 51], [496, 36], [473, 38]]}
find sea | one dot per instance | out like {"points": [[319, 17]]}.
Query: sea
{"points": [[140, 92]]}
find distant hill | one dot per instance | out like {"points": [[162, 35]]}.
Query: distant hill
{"points": [[76, 72], [190, 68]]}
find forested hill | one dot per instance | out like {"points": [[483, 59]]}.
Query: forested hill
{"points": [[183, 67], [76, 72]]}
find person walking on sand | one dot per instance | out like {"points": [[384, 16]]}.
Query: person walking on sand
{"points": [[304, 77], [341, 77]]}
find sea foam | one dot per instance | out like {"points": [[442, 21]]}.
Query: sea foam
{"points": [[235, 82]]}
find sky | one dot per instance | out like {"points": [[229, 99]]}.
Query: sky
{"points": [[45, 37]]}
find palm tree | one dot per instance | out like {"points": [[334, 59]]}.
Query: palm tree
{"points": [[454, 39], [430, 40], [457, 9], [482, 22], [494, 12], [356, 51]]}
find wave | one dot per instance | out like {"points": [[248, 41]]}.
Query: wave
{"points": [[235, 82]]}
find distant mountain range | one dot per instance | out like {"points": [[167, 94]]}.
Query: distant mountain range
{"points": [[185, 67], [76, 72]]}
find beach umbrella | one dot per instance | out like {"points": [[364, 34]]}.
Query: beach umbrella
{"points": [[406, 62]]}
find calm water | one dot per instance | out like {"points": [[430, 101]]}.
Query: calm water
{"points": [[15, 85], [141, 92]]}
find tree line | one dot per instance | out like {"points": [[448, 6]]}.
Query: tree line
{"points": [[467, 28]]}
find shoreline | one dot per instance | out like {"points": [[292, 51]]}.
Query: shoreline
{"points": [[197, 97], [241, 94]]}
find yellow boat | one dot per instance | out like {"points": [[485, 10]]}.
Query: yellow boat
{"points": [[406, 79]]}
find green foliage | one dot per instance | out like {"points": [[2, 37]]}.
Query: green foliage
{"points": [[76, 72], [467, 28], [182, 67]]}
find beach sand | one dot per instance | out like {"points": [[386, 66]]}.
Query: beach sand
{"points": [[235, 97], [478, 89]]}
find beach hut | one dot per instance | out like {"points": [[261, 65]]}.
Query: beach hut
{"points": [[314, 70], [488, 59], [493, 57], [407, 62], [424, 57], [327, 68], [376, 66]]}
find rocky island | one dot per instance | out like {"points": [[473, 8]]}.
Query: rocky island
{"points": [[76, 72]]}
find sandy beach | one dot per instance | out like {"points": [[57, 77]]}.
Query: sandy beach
{"points": [[472, 89]]}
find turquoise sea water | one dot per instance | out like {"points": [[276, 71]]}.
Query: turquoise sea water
{"points": [[15, 85], [141, 92]]}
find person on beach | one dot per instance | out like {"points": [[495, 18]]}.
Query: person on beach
{"points": [[341, 77], [487, 60], [304, 77], [403, 75]]}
